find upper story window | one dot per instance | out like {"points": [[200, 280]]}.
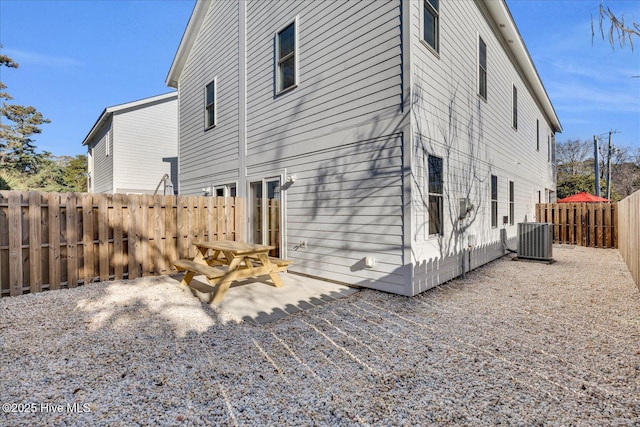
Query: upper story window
{"points": [[210, 105], [482, 68], [436, 205], [514, 113], [108, 143], [287, 57], [537, 135], [431, 23]]}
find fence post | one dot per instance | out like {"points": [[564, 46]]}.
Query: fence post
{"points": [[171, 227], [87, 237], [72, 240], [35, 242], [54, 240], [15, 243], [118, 242], [103, 237], [132, 240]]}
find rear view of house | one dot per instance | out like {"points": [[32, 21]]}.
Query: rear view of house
{"points": [[133, 147], [386, 144]]}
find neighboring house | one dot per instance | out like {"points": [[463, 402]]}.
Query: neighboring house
{"points": [[373, 126], [132, 146]]}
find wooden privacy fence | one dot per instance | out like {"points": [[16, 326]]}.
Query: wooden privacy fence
{"points": [[585, 224], [629, 240], [54, 240]]}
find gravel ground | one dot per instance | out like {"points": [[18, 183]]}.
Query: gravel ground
{"points": [[516, 343]]}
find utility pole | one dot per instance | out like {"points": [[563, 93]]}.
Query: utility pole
{"points": [[596, 164], [608, 196]]}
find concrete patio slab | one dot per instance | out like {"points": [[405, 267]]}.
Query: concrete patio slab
{"points": [[258, 302]]}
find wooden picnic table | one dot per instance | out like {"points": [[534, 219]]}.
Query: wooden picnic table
{"points": [[240, 260]]}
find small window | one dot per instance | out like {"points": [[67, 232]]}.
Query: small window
{"points": [[494, 201], [431, 23], [482, 68], [287, 57], [227, 190], [511, 203], [210, 105], [436, 210], [514, 118], [549, 148], [537, 135], [108, 142]]}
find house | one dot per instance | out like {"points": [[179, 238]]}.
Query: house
{"points": [[387, 144], [133, 147]]}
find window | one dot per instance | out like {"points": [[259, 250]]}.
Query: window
{"points": [[436, 210], [482, 68], [494, 201], [431, 23], [537, 135], [210, 105], [549, 148], [228, 190], [287, 57], [108, 142], [514, 119], [511, 203]]}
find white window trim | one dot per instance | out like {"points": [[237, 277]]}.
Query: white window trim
{"points": [[538, 135], [296, 53], [215, 104], [491, 200], [511, 200], [226, 188], [486, 71], [436, 50], [428, 193]]}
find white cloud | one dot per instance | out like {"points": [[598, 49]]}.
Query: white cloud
{"points": [[24, 57]]}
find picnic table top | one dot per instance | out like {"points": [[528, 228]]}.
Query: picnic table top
{"points": [[238, 248]]}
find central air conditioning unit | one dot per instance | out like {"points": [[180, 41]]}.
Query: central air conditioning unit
{"points": [[535, 241]]}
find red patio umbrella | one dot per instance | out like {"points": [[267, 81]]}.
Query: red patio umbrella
{"points": [[583, 198]]}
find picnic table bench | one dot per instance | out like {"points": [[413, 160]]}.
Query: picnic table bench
{"points": [[239, 260]]}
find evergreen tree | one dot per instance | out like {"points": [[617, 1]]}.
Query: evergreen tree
{"points": [[17, 148]]}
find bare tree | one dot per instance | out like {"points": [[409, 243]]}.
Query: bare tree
{"points": [[625, 173], [454, 131], [571, 156], [619, 31]]}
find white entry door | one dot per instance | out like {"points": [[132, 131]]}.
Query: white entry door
{"points": [[265, 219]]}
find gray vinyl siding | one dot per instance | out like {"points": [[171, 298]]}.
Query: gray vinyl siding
{"points": [[102, 177], [346, 204], [145, 143], [449, 80], [210, 157], [338, 132], [350, 72]]}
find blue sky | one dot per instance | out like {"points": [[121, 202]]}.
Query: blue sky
{"points": [[77, 57]]}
